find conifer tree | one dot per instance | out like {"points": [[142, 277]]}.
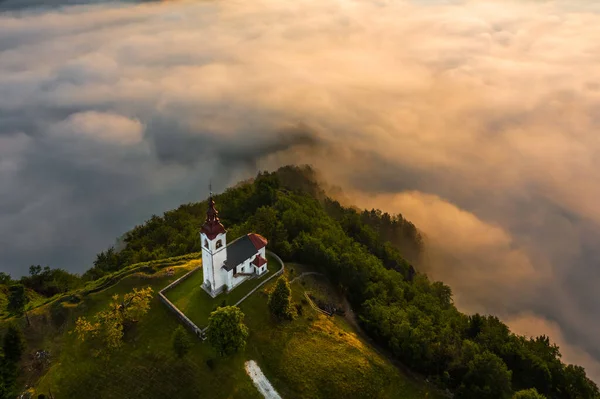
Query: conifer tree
{"points": [[14, 344], [280, 300], [181, 342], [17, 300]]}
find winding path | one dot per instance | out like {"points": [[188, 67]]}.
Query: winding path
{"points": [[306, 274], [260, 381]]}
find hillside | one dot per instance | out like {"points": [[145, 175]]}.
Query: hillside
{"points": [[368, 259], [146, 367]]}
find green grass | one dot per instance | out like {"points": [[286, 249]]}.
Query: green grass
{"points": [[316, 356], [149, 267], [32, 296], [192, 300], [311, 357], [145, 367]]}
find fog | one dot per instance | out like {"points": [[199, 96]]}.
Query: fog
{"points": [[476, 120]]}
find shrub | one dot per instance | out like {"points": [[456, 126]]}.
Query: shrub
{"points": [[181, 342]]}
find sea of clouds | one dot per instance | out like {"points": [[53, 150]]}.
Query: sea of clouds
{"points": [[477, 120]]}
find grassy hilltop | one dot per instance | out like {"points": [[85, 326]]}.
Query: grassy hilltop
{"points": [[312, 356], [368, 261]]}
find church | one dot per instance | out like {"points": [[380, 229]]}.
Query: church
{"points": [[225, 266]]}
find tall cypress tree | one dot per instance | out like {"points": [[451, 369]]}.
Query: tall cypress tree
{"points": [[13, 344], [280, 300]]}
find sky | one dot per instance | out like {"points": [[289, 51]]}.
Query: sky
{"points": [[476, 120]]}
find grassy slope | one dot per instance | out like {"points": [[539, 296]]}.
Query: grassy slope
{"points": [[313, 356], [320, 357], [145, 366], [4, 293]]}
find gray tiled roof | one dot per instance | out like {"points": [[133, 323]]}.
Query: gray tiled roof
{"points": [[238, 251]]}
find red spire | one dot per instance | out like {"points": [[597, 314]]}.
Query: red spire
{"points": [[212, 226]]}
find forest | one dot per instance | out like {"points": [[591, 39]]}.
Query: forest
{"points": [[373, 258]]}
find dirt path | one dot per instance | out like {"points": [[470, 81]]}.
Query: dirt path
{"points": [[306, 274], [260, 381]]}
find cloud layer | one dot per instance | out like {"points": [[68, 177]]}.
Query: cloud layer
{"points": [[478, 120]]}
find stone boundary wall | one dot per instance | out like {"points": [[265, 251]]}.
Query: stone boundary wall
{"points": [[201, 332], [188, 323]]}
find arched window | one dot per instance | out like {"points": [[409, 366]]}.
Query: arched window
{"points": [[219, 244], [206, 243]]}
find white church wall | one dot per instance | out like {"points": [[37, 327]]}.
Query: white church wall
{"points": [[229, 279], [263, 269], [206, 265], [245, 267], [237, 280], [219, 257], [212, 260], [220, 278]]}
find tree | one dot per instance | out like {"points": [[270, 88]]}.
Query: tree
{"points": [[13, 344], [280, 300], [17, 300], [107, 330], [5, 278], [528, 394], [181, 342], [577, 385], [487, 377], [8, 377], [227, 332]]}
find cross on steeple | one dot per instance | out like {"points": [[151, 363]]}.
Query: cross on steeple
{"points": [[212, 226]]}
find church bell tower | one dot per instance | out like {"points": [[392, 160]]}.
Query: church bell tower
{"points": [[213, 240]]}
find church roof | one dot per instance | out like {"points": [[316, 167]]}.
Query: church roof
{"points": [[259, 261], [238, 251], [258, 240], [212, 226]]}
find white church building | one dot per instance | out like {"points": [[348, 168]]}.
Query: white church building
{"points": [[225, 266]]}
